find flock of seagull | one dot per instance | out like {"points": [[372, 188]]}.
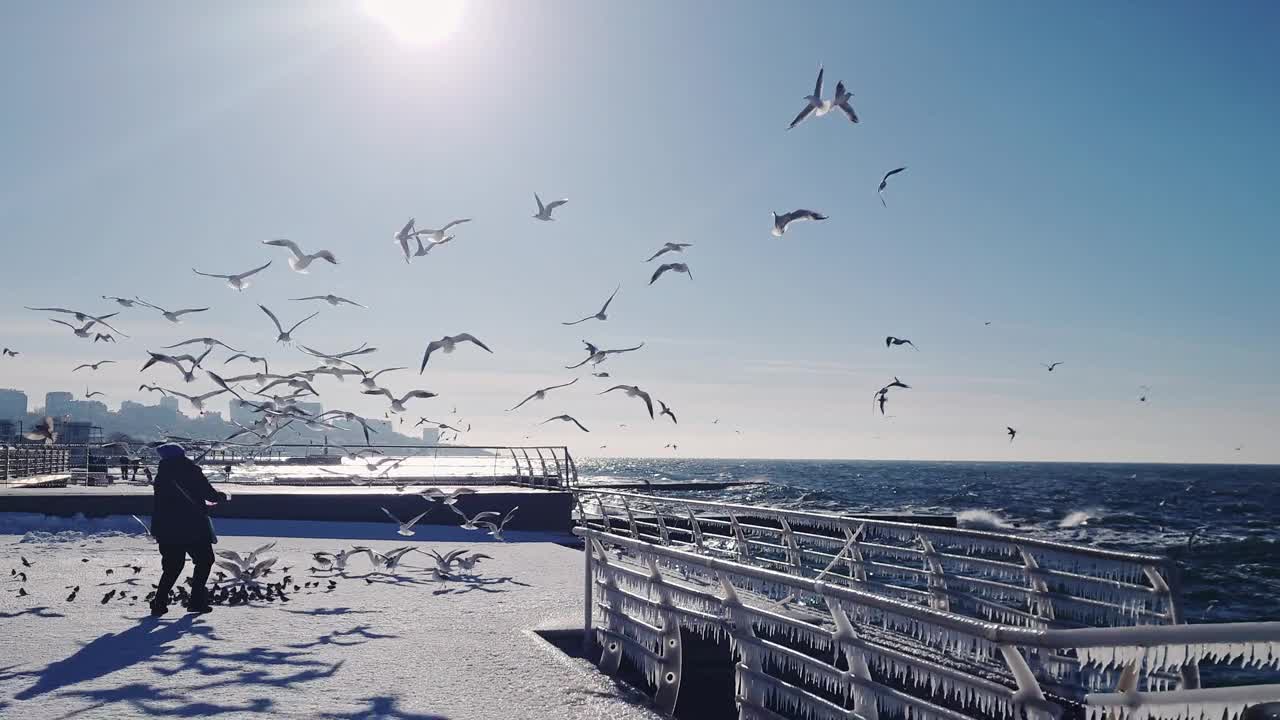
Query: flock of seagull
{"points": [[275, 397]]}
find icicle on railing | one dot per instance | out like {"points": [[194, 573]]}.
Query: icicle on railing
{"points": [[1225, 703]]}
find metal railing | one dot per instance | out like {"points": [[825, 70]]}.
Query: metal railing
{"points": [[836, 651], [533, 466], [1011, 579], [26, 462]]}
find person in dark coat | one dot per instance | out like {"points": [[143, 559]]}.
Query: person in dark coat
{"points": [[180, 524]]}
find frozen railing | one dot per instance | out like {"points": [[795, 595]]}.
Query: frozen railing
{"points": [[531, 466], [24, 462], [1011, 579], [807, 648]]}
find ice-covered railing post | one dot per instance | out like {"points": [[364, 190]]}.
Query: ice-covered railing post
{"points": [[670, 667], [631, 519], [610, 640], [1039, 603], [739, 538], [794, 557], [696, 529], [844, 640], [938, 599], [1189, 673]]}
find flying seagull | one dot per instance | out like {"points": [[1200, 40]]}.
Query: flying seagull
{"points": [[542, 394], [300, 260], [176, 361], [173, 316], [208, 342], [424, 250], [251, 358], [437, 237], [841, 101], [1012, 433], [94, 366], [677, 267], [881, 397], [667, 411], [544, 211], [565, 418], [9, 353], [406, 528], [82, 332], [1143, 391], [44, 432], [813, 103], [447, 344], [80, 316], [1051, 366], [103, 337], [884, 182], [285, 335], [397, 405], [596, 356], [403, 236], [237, 281], [633, 391], [197, 401], [600, 315], [89, 395], [122, 302], [669, 247], [780, 222], [891, 340], [333, 300]]}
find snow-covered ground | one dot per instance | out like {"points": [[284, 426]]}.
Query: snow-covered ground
{"points": [[375, 646]]}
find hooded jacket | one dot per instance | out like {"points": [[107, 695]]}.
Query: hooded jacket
{"points": [[175, 518]]}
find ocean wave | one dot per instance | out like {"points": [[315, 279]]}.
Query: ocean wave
{"points": [[983, 520], [1079, 518]]}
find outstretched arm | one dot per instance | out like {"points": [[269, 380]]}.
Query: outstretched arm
{"points": [[202, 487]]}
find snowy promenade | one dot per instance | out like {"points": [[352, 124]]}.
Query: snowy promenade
{"points": [[375, 646]]}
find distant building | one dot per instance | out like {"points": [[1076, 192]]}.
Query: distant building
{"points": [[431, 436], [169, 403], [8, 431], [242, 412], [57, 404], [77, 432], [13, 404]]}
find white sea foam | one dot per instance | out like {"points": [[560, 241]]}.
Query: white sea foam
{"points": [[1079, 518], [983, 520]]}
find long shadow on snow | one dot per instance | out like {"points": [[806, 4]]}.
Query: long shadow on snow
{"points": [[382, 707], [42, 612]]}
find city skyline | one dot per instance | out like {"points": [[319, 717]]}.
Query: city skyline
{"points": [[1041, 196]]}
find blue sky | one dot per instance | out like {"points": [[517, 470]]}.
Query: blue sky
{"points": [[1096, 181]]}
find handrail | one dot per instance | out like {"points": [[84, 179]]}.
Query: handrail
{"points": [[651, 588]]}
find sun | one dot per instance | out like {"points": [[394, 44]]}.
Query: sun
{"points": [[419, 22]]}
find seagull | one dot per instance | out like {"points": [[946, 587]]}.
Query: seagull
{"points": [[123, 302], [173, 316], [43, 432], [88, 395], [369, 380], [406, 528], [1144, 391], [333, 300], [355, 479], [600, 315], [881, 396], [403, 236], [300, 260], [94, 366], [669, 247], [6, 352], [197, 401], [251, 358], [1012, 433], [469, 523], [437, 237], [397, 406], [677, 267], [898, 384], [424, 250], [598, 356], [633, 391], [447, 345], [780, 222], [813, 102], [495, 529], [544, 211], [565, 418], [439, 425], [542, 394], [667, 411], [1051, 366], [285, 336], [82, 332], [80, 316], [237, 281], [841, 101], [891, 340], [176, 361], [208, 342], [600, 374], [153, 388], [450, 498], [224, 384], [103, 337], [884, 182]]}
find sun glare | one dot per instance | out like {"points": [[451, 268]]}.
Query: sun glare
{"points": [[419, 22]]}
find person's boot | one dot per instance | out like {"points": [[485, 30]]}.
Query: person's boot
{"points": [[158, 607], [199, 601]]}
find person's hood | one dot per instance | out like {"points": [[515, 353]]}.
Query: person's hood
{"points": [[171, 451]]}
